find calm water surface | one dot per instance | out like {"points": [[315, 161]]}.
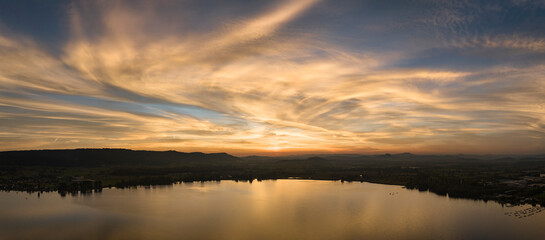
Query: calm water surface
{"points": [[282, 209]]}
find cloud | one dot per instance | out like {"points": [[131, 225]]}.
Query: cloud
{"points": [[130, 76], [528, 44]]}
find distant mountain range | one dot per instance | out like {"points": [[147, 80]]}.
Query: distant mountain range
{"points": [[89, 157], [105, 157]]}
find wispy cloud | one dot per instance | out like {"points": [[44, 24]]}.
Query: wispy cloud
{"points": [[129, 76]]}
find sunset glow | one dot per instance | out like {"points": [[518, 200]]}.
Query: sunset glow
{"points": [[274, 77]]}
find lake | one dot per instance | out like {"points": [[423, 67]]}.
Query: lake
{"points": [[275, 209]]}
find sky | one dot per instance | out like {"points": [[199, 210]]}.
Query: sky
{"points": [[274, 77]]}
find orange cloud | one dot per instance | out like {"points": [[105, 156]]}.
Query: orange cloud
{"points": [[247, 87]]}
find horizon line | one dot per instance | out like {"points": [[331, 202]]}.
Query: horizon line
{"points": [[287, 155]]}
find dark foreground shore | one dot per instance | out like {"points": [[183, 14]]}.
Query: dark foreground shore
{"points": [[507, 180]]}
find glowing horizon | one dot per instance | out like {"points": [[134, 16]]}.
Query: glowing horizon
{"points": [[274, 78]]}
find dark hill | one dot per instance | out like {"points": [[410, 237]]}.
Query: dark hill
{"points": [[107, 157]]}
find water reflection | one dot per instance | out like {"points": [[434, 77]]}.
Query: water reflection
{"points": [[283, 209]]}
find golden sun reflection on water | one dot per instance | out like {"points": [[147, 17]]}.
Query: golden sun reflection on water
{"points": [[282, 209]]}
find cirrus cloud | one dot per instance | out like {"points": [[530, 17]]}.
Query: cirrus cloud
{"points": [[131, 76]]}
